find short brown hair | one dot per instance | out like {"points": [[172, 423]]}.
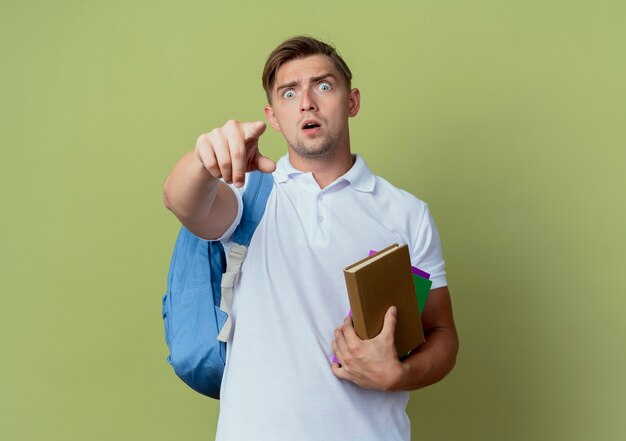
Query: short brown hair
{"points": [[299, 47]]}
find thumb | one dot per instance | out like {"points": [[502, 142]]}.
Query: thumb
{"points": [[390, 320], [265, 164], [252, 130]]}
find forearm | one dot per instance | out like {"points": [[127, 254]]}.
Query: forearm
{"points": [[190, 190], [430, 363]]}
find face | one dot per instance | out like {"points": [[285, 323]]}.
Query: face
{"points": [[311, 105]]}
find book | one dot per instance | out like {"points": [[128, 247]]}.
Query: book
{"points": [[422, 282], [377, 282], [414, 270], [422, 289]]}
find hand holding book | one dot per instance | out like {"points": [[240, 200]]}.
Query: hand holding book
{"points": [[372, 363], [382, 280]]}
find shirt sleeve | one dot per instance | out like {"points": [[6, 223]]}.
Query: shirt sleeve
{"points": [[231, 229], [427, 253]]}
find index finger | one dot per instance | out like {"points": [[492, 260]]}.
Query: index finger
{"points": [[252, 130], [237, 149]]}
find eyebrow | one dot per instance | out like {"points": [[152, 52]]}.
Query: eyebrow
{"points": [[313, 80]]}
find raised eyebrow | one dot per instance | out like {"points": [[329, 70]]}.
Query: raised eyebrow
{"points": [[313, 80], [287, 85], [323, 77]]}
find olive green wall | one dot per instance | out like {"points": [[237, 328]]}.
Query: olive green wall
{"points": [[507, 117]]}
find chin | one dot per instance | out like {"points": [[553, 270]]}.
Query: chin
{"points": [[312, 152]]}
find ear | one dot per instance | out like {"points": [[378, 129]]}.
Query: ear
{"points": [[271, 118], [354, 102]]}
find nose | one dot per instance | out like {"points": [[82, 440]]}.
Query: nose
{"points": [[308, 102]]}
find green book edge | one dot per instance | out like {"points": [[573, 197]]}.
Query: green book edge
{"points": [[422, 288]]}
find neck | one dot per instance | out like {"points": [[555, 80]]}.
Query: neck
{"points": [[325, 169]]}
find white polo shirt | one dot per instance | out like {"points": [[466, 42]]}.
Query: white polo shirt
{"points": [[278, 383]]}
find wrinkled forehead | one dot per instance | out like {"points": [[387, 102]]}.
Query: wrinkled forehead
{"points": [[301, 70]]}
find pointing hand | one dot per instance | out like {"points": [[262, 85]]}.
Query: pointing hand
{"points": [[230, 151]]}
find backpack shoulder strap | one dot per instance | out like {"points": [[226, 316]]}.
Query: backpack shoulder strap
{"points": [[254, 202]]}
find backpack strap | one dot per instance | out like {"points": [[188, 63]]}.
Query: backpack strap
{"points": [[254, 201]]}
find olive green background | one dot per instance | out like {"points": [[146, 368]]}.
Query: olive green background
{"points": [[507, 117]]}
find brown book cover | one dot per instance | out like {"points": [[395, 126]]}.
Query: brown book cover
{"points": [[377, 282]]}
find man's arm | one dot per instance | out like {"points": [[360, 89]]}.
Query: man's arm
{"points": [[374, 364], [193, 190]]}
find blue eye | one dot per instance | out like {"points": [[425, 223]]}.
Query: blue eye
{"points": [[288, 94], [325, 87]]}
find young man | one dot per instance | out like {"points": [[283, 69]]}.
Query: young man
{"points": [[326, 211]]}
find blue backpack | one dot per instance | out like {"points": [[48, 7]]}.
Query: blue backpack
{"points": [[197, 303]]}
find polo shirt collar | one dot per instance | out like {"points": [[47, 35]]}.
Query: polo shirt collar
{"points": [[359, 175]]}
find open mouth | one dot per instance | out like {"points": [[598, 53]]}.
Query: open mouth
{"points": [[310, 126]]}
